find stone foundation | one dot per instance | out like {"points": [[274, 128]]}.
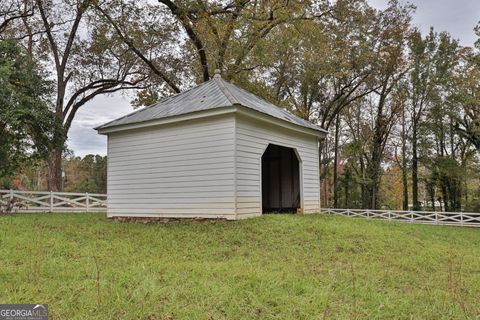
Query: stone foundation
{"points": [[162, 220]]}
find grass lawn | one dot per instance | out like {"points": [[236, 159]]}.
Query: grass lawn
{"points": [[273, 267]]}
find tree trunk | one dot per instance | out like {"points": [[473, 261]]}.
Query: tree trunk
{"points": [[416, 204], [347, 188], [446, 200], [373, 169], [405, 186], [54, 164], [373, 185], [431, 187], [363, 185], [323, 173], [374, 164], [335, 163], [55, 170], [404, 164]]}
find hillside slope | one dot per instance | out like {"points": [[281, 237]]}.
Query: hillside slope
{"points": [[273, 267]]}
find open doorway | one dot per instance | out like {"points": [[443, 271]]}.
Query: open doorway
{"points": [[280, 180]]}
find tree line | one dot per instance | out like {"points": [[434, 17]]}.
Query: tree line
{"points": [[79, 174], [402, 107]]}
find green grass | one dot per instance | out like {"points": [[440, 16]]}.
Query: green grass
{"points": [[273, 267]]}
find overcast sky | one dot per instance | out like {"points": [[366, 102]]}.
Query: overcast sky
{"points": [[458, 17]]}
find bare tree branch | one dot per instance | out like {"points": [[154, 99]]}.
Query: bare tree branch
{"points": [[155, 69], [184, 19]]}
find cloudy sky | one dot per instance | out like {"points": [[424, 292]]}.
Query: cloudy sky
{"points": [[458, 17]]}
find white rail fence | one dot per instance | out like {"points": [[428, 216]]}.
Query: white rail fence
{"points": [[37, 201], [464, 219]]}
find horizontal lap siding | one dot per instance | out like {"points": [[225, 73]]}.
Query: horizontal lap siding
{"points": [[180, 170], [252, 138]]}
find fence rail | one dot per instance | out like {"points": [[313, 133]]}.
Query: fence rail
{"points": [[463, 219], [38, 201]]}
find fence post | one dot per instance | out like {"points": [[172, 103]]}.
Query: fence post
{"points": [[436, 217], [51, 201], [411, 216], [10, 203], [461, 218], [87, 201]]}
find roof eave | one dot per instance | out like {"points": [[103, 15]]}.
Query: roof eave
{"points": [[167, 120], [321, 133], [214, 112]]}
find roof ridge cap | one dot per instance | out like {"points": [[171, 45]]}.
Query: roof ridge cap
{"points": [[230, 97]]}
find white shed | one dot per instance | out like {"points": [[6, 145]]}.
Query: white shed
{"points": [[214, 151]]}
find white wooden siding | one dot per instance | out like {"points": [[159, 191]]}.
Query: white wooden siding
{"points": [[180, 170], [252, 138]]}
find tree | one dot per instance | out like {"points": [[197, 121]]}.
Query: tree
{"points": [[13, 10], [321, 67], [390, 67], [25, 115], [446, 149], [84, 64], [421, 82], [468, 96], [400, 141], [203, 35], [87, 174]]}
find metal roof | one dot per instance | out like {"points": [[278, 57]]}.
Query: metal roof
{"points": [[215, 93]]}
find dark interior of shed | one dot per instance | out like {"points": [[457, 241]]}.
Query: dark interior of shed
{"points": [[280, 180]]}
